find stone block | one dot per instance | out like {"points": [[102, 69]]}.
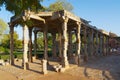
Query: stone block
{"points": [[57, 67], [62, 70], [34, 58], [44, 66]]}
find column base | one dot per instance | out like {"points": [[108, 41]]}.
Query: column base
{"points": [[26, 66], [65, 64], [44, 66], [85, 58]]}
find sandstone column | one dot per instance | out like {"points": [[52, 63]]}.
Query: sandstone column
{"points": [[85, 45], [54, 45], [44, 66], [91, 42], [70, 44], [60, 43], [103, 45], [107, 46], [45, 42], [65, 42], [25, 47], [30, 45], [97, 42], [101, 41], [35, 43], [78, 38], [11, 44]]}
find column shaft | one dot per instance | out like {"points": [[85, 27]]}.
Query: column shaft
{"points": [[107, 46], [54, 44], [30, 45], [65, 43], [101, 41], [78, 38], [70, 44], [85, 45], [60, 43], [91, 43], [103, 45], [97, 42], [45, 42], [25, 46], [35, 44]]}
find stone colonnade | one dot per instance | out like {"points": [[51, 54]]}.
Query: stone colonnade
{"points": [[96, 45]]}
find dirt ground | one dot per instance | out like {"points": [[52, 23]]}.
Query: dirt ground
{"points": [[6, 76], [97, 68]]}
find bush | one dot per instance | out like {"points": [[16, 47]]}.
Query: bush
{"points": [[4, 50], [4, 57]]}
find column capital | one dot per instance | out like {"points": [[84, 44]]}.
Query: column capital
{"points": [[78, 23], [26, 15], [64, 19]]}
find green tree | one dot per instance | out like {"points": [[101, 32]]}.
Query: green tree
{"points": [[5, 42], [17, 7], [60, 5], [40, 40], [3, 27]]}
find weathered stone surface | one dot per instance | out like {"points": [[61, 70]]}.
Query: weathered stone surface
{"points": [[62, 70], [44, 66], [57, 67]]}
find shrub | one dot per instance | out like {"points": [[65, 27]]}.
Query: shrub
{"points": [[2, 50], [4, 57]]}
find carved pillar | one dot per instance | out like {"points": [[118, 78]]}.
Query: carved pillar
{"points": [[35, 43], [78, 38], [25, 47], [91, 42], [11, 44], [65, 42], [107, 45], [97, 43], [54, 44], [85, 45], [70, 44], [60, 43], [101, 47], [30, 45], [45, 42]]}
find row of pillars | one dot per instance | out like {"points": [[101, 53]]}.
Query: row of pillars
{"points": [[27, 43], [95, 43], [65, 43]]}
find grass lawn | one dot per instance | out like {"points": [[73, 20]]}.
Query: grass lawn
{"points": [[19, 54]]}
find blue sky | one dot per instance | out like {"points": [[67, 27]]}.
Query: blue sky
{"points": [[104, 14]]}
